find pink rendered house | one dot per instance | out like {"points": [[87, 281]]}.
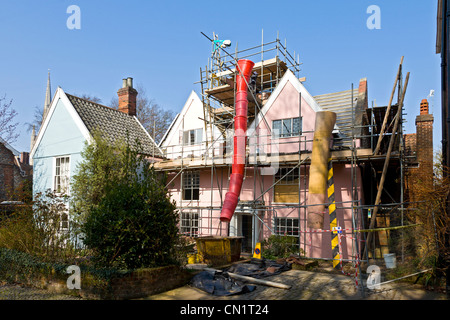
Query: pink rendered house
{"points": [[275, 187]]}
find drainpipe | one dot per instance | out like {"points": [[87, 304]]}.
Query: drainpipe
{"points": [[245, 68]]}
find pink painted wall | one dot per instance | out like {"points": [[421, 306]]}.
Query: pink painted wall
{"points": [[286, 105], [316, 245]]}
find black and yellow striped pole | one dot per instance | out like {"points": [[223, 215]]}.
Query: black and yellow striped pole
{"points": [[332, 212]]}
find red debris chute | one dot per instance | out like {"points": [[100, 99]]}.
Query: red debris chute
{"points": [[244, 70]]}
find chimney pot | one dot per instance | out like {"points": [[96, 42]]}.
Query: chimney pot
{"points": [[424, 106], [124, 83], [130, 82]]}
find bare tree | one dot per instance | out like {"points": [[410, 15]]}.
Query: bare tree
{"points": [[90, 98], [37, 120], [7, 125], [152, 116], [39, 112]]}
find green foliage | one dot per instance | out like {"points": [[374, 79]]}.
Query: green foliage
{"points": [[101, 164], [21, 267], [124, 211], [278, 246], [35, 228]]}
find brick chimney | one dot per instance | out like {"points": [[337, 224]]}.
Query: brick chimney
{"points": [[127, 97], [25, 158], [424, 142]]}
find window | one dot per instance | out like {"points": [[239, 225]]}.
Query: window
{"points": [[61, 178], [64, 222], [286, 187], [287, 127], [189, 224], [192, 137], [287, 226], [191, 185], [287, 176]]}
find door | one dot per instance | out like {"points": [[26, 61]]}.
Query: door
{"points": [[247, 232], [244, 224]]}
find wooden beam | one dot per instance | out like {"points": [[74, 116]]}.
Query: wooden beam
{"points": [[253, 280], [383, 127], [386, 162]]}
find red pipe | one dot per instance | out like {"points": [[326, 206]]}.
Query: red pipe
{"points": [[245, 68]]}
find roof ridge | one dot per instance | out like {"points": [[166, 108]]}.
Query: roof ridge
{"points": [[95, 103]]}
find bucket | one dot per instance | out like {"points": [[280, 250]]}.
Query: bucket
{"points": [[390, 260], [192, 258]]}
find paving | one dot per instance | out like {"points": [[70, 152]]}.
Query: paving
{"points": [[305, 285], [311, 285]]}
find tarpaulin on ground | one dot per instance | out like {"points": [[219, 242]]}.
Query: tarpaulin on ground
{"points": [[221, 284], [259, 268]]}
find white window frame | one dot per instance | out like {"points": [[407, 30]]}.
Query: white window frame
{"points": [[287, 223], [192, 137], [193, 219], [54, 175], [190, 180], [278, 133], [64, 223]]}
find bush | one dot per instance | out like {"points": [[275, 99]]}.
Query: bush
{"points": [[35, 228], [126, 216], [278, 246]]}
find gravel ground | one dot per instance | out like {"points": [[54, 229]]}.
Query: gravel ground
{"points": [[21, 292]]}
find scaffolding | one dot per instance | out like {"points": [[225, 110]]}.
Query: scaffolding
{"points": [[372, 144]]}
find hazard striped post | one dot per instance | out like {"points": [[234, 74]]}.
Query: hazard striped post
{"points": [[332, 211]]}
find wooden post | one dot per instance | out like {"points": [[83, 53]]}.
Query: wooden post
{"points": [[386, 162], [383, 127], [253, 280]]}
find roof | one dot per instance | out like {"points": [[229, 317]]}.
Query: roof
{"points": [[341, 104], [287, 77], [9, 147], [348, 111], [113, 124], [168, 130]]}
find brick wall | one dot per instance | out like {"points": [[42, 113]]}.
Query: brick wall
{"points": [[146, 282], [11, 176], [410, 144], [6, 172], [138, 284]]}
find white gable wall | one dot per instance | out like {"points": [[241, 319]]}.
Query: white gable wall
{"points": [[61, 134], [190, 118]]}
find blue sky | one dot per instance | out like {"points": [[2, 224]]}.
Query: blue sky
{"points": [[160, 45]]}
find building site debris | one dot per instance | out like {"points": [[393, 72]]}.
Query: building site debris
{"points": [[232, 280]]}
